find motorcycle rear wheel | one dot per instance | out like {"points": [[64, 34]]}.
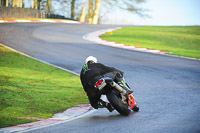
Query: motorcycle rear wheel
{"points": [[117, 103]]}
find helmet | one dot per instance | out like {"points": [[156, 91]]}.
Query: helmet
{"points": [[91, 58]]}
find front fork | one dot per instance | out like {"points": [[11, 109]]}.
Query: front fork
{"points": [[131, 101]]}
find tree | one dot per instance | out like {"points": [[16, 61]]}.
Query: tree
{"points": [[36, 4], [23, 4], [90, 11], [4, 3], [87, 8], [96, 12], [66, 7], [93, 12], [48, 6], [83, 14], [72, 9], [32, 3], [129, 5], [39, 4], [15, 3]]}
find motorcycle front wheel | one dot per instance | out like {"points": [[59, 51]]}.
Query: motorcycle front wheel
{"points": [[115, 99], [136, 108]]}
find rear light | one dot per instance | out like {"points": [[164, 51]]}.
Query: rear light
{"points": [[99, 82]]}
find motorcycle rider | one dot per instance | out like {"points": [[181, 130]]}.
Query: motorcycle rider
{"points": [[92, 71]]}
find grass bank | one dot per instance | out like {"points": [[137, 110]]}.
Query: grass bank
{"points": [[177, 40], [30, 90]]}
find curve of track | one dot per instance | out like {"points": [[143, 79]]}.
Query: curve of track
{"points": [[166, 88]]}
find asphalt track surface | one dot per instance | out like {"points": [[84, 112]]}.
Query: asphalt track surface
{"points": [[166, 88]]}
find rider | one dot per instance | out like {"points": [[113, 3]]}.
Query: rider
{"points": [[92, 71]]}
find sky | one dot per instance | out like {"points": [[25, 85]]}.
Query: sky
{"points": [[162, 12]]}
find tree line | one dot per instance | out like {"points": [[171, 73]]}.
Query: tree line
{"points": [[35, 4], [82, 10]]}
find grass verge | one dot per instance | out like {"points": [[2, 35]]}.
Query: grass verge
{"points": [[177, 40], [30, 90]]}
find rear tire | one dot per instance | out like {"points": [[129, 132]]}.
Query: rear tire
{"points": [[117, 103]]}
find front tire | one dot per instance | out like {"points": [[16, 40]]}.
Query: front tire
{"points": [[136, 107], [117, 103]]}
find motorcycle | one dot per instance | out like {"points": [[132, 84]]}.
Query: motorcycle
{"points": [[117, 96]]}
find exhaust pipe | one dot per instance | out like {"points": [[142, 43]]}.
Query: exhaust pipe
{"points": [[119, 88]]}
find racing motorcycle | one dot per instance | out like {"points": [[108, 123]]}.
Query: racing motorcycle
{"points": [[117, 96]]}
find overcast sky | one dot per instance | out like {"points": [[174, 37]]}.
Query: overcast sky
{"points": [[162, 12]]}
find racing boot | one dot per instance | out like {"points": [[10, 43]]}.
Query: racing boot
{"points": [[103, 104], [124, 85]]}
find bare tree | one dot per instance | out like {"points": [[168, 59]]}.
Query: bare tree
{"points": [[15, 3], [48, 6], [96, 12], [129, 5], [90, 10], [36, 4], [4, 3], [32, 3], [83, 14], [72, 9], [23, 4]]}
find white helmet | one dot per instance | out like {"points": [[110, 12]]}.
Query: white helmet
{"points": [[91, 58]]}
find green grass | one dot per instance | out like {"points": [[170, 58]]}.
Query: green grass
{"points": [[30, 90], [177, 40]]}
